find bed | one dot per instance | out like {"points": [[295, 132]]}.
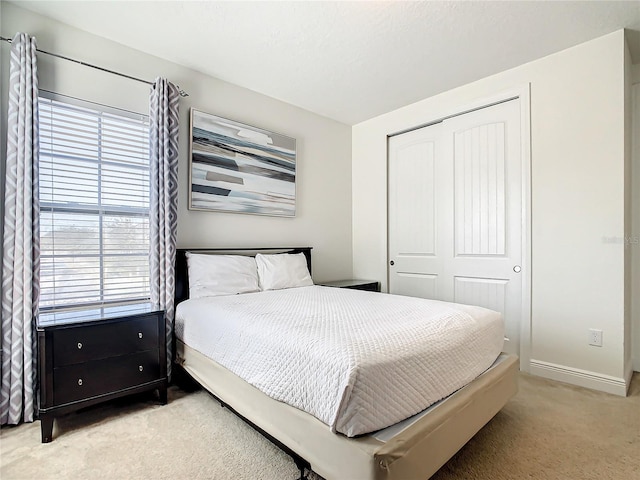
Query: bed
{"points": [[323, 431]]}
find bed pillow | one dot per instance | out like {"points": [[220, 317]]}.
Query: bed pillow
{"points": [[213, 275], [283, 270]]}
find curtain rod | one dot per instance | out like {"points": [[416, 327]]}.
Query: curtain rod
{"points": [[180, 91]]}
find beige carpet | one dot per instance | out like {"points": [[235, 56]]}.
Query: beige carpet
{"points": [[548, 431]]}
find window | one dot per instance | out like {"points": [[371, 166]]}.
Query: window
{"points": [[94, 206]]}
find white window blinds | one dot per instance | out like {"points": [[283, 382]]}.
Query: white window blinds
{"points": [[94, 205]]}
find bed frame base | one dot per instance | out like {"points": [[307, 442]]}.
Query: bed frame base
{"points": [[417, 451]]}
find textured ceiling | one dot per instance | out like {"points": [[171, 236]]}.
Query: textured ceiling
{"points": [[349, 61]]}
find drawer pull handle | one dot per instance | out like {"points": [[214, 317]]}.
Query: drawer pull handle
{"points": [[140, 368], [139, 334], [80, 381], [79, 346]]}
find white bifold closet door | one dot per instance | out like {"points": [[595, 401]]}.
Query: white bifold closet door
{"points": [[455, 213]]}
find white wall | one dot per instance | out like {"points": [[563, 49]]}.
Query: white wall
{"points": [[628, 221], [577, 125], [635, 211], [323, 218]]}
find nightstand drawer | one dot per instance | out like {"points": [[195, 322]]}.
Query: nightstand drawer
{"points": [[82, 344], [90, 379]]}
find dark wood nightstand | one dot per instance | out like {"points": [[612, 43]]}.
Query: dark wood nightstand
{"points": [[369, 285], [83, 361]]}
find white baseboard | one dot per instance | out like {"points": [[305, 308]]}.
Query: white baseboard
{"points": [[581, 378]]}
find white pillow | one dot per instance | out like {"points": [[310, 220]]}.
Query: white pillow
{"points": [[213, 275], [284, 270]]}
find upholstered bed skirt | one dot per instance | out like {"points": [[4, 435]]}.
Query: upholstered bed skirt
{"points": [[414, 448]]}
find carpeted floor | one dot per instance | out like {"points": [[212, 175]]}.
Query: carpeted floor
{"points": [[548, 431]]}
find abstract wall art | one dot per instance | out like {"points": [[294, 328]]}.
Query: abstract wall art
{"points": [[241, 169]]}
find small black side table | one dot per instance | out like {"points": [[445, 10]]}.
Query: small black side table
{"points": [[97, 356], [369, 285]]}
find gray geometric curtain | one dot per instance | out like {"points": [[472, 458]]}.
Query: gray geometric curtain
{"points": [[163, 213], [21, 246]]}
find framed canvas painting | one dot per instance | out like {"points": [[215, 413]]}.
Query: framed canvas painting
{"points": [[239, 168]]}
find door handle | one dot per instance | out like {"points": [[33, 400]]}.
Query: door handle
{"points": [[392, 263], [517, 269]]}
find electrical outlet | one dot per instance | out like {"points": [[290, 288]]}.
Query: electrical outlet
{"points": [[595, 337]]}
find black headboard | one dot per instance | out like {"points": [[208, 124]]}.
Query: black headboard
{"points": [[182, 274]]}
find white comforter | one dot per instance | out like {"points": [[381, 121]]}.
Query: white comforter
{"points": [[358, 361]]}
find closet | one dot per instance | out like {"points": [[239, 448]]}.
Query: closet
{"points": [[455, 212]]}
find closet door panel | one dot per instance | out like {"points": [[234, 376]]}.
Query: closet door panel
{"points": [[414, 265]]}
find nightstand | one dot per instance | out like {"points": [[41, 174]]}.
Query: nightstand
{"points": [[98, 355], [369, 285]]}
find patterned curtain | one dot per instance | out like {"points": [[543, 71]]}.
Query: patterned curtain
{"points": [[21, 244], [163, 214]]}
